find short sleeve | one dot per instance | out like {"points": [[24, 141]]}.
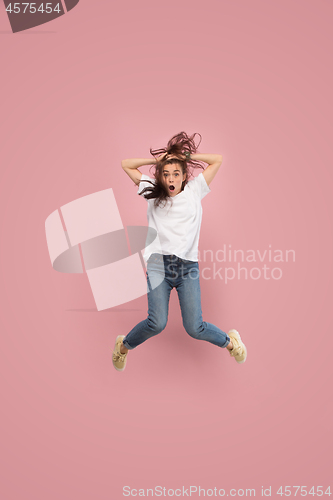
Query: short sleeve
{"points": [[199, 186], [143, 183]]}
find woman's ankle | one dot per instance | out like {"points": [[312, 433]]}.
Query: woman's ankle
{"points": [[230, 346], [123, 349]]}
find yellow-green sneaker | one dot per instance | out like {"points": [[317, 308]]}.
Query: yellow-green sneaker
{"points": [[118, 358], [238, 351]]}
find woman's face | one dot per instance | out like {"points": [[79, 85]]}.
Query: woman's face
{"points": [[173, 177]]}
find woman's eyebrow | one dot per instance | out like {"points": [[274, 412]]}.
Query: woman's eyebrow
{"points": [[176, 170]]}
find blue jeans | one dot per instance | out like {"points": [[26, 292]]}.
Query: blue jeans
{"points": [[163, 273]]}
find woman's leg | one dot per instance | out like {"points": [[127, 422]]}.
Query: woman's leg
{"points": [[158, 292], [189, 294]]}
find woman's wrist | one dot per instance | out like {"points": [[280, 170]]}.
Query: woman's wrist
{"points": [[137, 162], [207, 158]]}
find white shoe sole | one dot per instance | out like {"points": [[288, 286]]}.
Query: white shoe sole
{"points": [[235, 332]]}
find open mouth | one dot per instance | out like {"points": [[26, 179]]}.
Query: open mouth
{"points": [[172, 188]]}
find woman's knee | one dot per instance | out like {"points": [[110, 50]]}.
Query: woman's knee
{"points": [[193, 330], [157, 324]]}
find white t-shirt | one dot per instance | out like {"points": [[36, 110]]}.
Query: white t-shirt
{"points": [[177, 224]]}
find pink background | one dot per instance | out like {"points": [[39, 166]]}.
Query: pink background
{"points": [[108, 81]]}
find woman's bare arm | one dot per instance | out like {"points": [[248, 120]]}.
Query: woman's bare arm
{"points": [[131, 167], [137, 162], [214, 163]]}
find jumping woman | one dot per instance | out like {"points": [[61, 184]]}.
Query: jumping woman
{"points": [[175, 213]]}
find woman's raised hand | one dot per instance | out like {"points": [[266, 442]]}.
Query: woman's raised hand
{"points": [[165, 156], [162, 157]]}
